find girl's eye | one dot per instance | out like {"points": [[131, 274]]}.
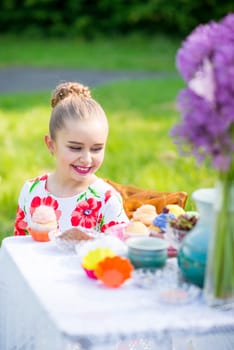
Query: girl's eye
{"points": [[75, 148], [97, 149], [79, 148]]}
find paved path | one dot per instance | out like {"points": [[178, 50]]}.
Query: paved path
{"points": [[22, 79]]}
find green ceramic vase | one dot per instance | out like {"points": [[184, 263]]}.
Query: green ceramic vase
{"points": [[192, 254]]}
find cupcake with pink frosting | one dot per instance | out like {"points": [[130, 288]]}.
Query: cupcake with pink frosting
{"points": [[43, 221]]}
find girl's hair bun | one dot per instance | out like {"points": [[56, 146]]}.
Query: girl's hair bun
{"points": [[64, 90]]}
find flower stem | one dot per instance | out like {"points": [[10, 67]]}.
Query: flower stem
{"points": [[223, 245]]}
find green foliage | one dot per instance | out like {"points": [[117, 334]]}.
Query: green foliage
{"points": [[139, 151], [91, 18]]}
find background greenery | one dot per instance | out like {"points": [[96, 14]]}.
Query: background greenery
{"points": [[91, 18]]}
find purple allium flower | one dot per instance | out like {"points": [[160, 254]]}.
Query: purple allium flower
{"points": [[206, 62]]}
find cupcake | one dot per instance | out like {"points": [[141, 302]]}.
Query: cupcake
{"points": [[160, 221], [175, 209], [136, 229], [145, 214], [43, 221]]}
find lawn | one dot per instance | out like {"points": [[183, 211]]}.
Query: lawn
{"points": [[133, 52]]}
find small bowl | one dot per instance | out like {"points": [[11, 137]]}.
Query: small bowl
{"points": [[69, 245], [175, 236], [111, 242], [147, 252], [117, 231]]}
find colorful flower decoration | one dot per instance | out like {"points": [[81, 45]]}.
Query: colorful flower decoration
{"points": [[206, 62], [206, 130]]}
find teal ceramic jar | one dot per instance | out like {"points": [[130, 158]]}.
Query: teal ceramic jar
{"points": [[147, 252], [192, 254]]}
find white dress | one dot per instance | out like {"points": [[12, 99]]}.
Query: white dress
{"points": [[98, 207]]}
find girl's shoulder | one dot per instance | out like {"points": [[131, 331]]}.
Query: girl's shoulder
{"points": [[103, 186], [38, 181], [41, 178], [101, 189]]}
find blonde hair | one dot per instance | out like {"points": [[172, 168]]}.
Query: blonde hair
{"points": [[72, 101]]}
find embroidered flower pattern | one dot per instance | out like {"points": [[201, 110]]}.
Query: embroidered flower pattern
{"points": [[86, 213], [37, 180], [20, 225], [107, 196], [104, 227]]}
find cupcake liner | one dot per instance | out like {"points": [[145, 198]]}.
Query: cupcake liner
{"points": [[39, 236]]}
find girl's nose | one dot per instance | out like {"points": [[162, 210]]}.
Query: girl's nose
{"points": [[85, 158]]}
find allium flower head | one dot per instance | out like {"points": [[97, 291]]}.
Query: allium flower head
{"points": [[206, 62]]}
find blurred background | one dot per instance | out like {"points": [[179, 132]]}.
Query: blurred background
{"points": [[90, 18], [126, 52]]}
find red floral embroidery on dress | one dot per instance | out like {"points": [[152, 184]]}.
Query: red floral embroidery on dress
{"points": [[107, 195], [40, 178], [86, 213], [20, 224], [49, 201], [109, 224]]}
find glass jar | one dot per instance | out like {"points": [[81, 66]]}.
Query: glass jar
{"points": [[219, 279]]}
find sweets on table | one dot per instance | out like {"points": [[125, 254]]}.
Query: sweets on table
{"points": [[74, 234], [175, 209], [145, 213], [43, 221], [184, 221], [136, 228], [160, 221]]}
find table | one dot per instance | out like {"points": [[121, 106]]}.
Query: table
{"points": [[48, 303]]}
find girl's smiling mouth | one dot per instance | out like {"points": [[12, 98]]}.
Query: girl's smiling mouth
{"points": [[81, 169]]}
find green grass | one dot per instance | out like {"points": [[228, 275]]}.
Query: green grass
{"points": [[132, 53], [139, 151]]}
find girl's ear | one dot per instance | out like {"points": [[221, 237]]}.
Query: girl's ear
{"points": [[49, 143]]}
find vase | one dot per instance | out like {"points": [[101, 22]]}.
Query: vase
{"points": [[192, 254], [219, 278]]}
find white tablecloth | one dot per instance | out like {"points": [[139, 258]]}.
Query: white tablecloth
{"points": [[48, 303]]}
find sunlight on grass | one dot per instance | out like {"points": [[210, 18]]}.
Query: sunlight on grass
{"points": [[139, 150], [129, 52]]}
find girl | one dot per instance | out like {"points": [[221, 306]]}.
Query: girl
{"points": [[78, 131]]}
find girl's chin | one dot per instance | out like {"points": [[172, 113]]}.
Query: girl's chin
{"points": [[82, 176]]}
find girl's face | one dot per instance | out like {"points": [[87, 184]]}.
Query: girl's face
{"points": [[79, 149]]}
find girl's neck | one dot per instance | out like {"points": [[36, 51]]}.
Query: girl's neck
{"points": [[62, 188]]}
